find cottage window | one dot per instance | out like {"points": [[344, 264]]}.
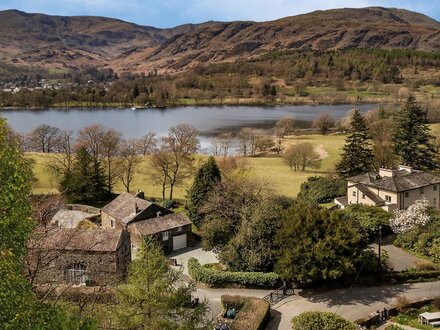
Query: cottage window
{"points": [[387, 198], [434, 188], [421, 190], [406, 194], [112, 223], [354, 193], [179, 229], [363, 196], [75, 274], [165, 236]]}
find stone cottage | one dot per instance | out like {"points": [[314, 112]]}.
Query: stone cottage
{"points": [[97, 257]]}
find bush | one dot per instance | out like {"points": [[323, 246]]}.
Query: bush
{"points": [[369, 218], [411, 276], [213, 277], [253, 313], [322, 189], [394, 327], [321, 321]]}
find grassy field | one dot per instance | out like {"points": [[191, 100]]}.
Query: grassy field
{"points": [[270, 168]]}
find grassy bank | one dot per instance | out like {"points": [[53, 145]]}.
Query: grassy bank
{"points": [[270, 167]]}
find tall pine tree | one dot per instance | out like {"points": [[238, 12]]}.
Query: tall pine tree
{"points": [[357, 156], [87, 181], [206, 178], [412, 138]]}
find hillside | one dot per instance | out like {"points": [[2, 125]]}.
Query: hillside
{"points": [[66, 43]]}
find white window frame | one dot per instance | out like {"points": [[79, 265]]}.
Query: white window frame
{"points": [[388, 198], [354, 193], [76, 274], [112, 223], [165, 235]]}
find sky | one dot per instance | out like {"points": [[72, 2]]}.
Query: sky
{"points": [[170, 13]]}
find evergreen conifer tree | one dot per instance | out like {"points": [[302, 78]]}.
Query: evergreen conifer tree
{"points": [[357, 156], [86, 182], [412, 138], [206, 178]]}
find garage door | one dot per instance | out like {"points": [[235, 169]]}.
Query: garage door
{"points": [[179, 242]]}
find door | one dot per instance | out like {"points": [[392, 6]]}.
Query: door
{"points": [[179, 242]]}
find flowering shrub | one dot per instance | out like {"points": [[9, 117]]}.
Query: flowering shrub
{"points": [[415, 216]]}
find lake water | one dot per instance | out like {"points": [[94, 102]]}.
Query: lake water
{"points": [[210, 121]]}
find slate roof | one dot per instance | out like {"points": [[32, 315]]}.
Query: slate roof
{"points": [[124, 206], [402, 181], [342, 200], [159, 224], [371, 195], [96, 240]]}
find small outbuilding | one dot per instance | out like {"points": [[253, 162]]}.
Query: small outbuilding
{"points": [[431, 319]]}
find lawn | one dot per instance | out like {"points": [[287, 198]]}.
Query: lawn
{"points": [[270, 168]]}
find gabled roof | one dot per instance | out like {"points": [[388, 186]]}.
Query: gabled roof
{"points": [[371, 195], [96, 240], [160, 224], [401, 181], [151, 211], [125, 205]]}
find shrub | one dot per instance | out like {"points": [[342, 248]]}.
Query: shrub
{"points": [[322, 189], [394, 327], [253, 313], [321, 321], [213, 277], [401, 304], [369, 218]]}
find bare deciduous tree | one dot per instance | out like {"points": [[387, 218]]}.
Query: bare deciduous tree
{"points": [[300, 155], [110, 144], [129, 161], [323, 123], [44, 138], [147, 144]]}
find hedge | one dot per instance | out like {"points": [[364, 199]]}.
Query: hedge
{"points": [[411, 276], [216, 278], [321, 321], [253, 313]]}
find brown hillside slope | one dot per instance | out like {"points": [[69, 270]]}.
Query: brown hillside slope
{"points": [[75, 42]]}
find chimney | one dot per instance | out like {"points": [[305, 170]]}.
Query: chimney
{"points": [[387, 173], [140, 194], [136, 208], [158, 214], [407, 168]]}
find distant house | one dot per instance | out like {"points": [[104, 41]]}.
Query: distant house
{"points": [[392, 189], [143, 218], [80, 256]]}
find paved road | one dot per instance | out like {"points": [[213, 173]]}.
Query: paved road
{"points": [[351, 304]]}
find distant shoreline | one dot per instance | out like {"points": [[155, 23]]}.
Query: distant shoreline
{"points": [[199, 104]]}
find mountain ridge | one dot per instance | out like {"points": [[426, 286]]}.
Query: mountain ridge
{"points": [[77, 42]]}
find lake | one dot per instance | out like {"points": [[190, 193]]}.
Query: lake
{"points": [[210, 121]]}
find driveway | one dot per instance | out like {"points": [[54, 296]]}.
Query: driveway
{"points": [[351, 304], [182, 257], [399, 259]]}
